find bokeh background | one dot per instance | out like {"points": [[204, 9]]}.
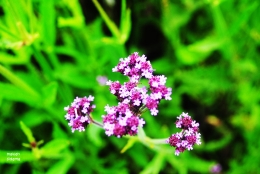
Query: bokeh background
{"points": [[54, 50]]}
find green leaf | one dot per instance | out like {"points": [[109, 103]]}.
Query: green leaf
{"points": [[110, 24], [47, 12], [27, 131], [125, 22], [215, 145], [95, 31], [34, 118], [53, 148], [49, 93], [177, 163], [155, 165], [75, 77], [77, 19], [129, 144], [14, 93], [196, 164], [58, 132], [62, 166], [199, 51], [93, 134], [162, 65], [10, 59], [13, 78]]}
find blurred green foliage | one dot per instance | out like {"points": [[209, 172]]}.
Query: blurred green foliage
{"points": [[52, 51]]}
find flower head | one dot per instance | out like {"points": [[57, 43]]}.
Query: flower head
{"points": [[189, 135], [121, 120], [137, 67], [78, 113]]}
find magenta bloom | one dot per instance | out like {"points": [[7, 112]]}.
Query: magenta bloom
{"points": [[78, 113], [121, 120], [189, 135], [137, 67]]}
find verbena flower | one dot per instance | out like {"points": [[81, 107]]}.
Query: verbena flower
{"points": [[133, 98], [189, 135], [78, 113], [121, 120], [137, 67]]}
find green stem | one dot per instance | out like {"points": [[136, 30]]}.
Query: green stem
{"points": [[143, 109], [158, 141], [97, 123], [110, 24], [54, 60], [93, 121]]}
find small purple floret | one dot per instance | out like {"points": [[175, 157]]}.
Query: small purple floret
{"points": [[121, 120], [189, 135], [137, 67], [78, 113], [133, 98]]}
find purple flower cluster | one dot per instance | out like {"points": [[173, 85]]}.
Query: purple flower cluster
{"points": [[133, 99], [136, 67], [189, 135], [120, 120], [78, 113]]}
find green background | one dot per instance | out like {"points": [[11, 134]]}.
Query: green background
{"points": [[53, 50]]}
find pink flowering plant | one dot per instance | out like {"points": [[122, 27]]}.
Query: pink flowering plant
{"points": [[134, 98]]}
